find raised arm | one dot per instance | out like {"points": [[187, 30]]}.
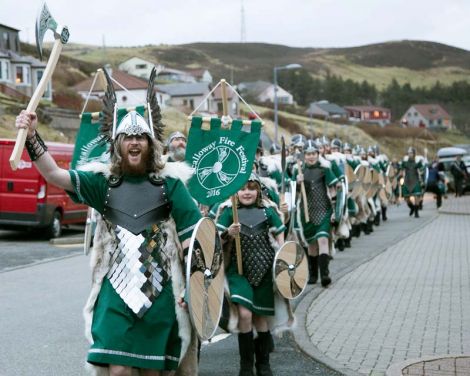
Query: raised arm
{"points": [[37, 150]]}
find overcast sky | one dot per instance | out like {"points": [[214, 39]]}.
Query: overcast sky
{"points": [[300, 23]]}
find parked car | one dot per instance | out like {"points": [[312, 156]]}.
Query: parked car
{"points": [[447, 157], [28, 201]]}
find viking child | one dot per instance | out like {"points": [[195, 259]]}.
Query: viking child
{"points": [[261, 232], [412, 191], [320, 183], [135, 316]]}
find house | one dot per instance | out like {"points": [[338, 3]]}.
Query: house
{"points": [[175, 75], [326, 110], [188, 95], [136, 89], [201, 75], [427, 116], [263, 91], [137, 67], [19, 73], [216, 105], [369, 114]]}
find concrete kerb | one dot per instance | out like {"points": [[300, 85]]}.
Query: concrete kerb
{"points": [[397, 368], [301, 337]]}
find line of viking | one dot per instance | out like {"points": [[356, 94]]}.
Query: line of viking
{"points": [[252, 294], [133, 316], [320, 182]]}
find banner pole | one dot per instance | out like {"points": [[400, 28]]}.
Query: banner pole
{"points": [[304, 194], [238, 247]]}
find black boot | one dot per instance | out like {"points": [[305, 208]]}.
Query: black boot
{"points": [[370, 226], [347, 241], [384, 213], [365, 228], [312, 269], [323, 262], [340, 245], [356, 230], [262, 345], [412, 208], [377, 219], [416, 211], [246, 348], [439, 201]]}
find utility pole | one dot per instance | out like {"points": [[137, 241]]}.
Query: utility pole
{"points": [[242, 24]]}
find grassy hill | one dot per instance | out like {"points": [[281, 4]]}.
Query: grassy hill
{"points": [[419, 63]]}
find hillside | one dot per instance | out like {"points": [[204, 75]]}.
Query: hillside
{"points": [[419, 63]]}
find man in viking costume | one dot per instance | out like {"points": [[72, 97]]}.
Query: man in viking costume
{"points": [[176, 147], [261, 232], [411, 190], [320, 182], [135, 317]]}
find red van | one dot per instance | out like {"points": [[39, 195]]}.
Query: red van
{"points": [[28, 201]]}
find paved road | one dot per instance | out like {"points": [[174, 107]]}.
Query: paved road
{"points": [[410, 301]]}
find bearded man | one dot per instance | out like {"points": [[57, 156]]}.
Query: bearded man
{"points": [[176, 145], [135, 316]]}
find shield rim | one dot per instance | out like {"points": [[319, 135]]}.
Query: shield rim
{"points": [[187, 275], [274, 270]]}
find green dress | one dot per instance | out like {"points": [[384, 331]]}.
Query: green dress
{"points": [[412, 182], [120, 337], [259, 299]]}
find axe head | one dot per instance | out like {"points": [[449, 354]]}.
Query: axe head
{"points": [[44, 22]]}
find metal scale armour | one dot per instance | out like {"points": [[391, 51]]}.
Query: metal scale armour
{"points": [[411, 175], [317, 196], [257, 252], [139, 267]]}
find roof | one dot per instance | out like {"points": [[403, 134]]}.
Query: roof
{"points": [[331, 108], [24, 59], [184, 89], [366, 108], [9, 27], [125, 79], [198, 73], [431, 111]]}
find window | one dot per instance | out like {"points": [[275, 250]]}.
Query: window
{"points": [[47, 92], [376, 114], [23, 75], [141, 66], [6, 40]]}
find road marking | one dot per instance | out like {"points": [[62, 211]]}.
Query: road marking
{"points": [[217, 338]]}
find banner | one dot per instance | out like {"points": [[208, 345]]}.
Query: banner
{"points": [[88, 145], [222, 158]]}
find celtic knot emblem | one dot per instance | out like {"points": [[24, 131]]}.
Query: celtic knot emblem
{"points": [[218, 168]]}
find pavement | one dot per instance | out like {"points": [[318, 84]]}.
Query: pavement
{"points": [[400, 293]]}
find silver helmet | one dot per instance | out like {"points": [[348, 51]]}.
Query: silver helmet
{"points": [[173, 135], [310, 146]]}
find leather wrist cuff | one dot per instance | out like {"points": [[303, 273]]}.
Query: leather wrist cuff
{"points": [[35, 146]]}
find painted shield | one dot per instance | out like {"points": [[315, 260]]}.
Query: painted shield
{"points": [[358, 186], [205, 278], [290, 271], [374, 184], [391, 171]]}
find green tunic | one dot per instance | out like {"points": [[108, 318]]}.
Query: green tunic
{"points": [[412, 183], [260, 299], [119, 336]]}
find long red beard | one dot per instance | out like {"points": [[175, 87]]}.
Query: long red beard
{"points": [[140, 169]]}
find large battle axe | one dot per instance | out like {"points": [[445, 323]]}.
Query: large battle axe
{"points": [[61, 34]]}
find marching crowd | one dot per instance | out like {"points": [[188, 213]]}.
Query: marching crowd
{"points": [[317, 192]]}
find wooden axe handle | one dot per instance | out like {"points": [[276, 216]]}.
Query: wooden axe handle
{"points": [[304, 194], [238, 246], [34, 101]]}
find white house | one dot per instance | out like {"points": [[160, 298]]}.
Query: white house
{"points": [[19, 73], [175, 75], [136, 89], [427, 116], [263, 91], [138, 67], [188, 95], [201, 75]]}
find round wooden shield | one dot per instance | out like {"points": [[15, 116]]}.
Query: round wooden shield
{"points": [[391, 171], [374, 186], [357, 188], [340, 203], [290, 270], [205, 278], [367, 180], [349, 172]]}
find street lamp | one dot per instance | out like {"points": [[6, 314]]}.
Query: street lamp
{"points": [[288, 66]]}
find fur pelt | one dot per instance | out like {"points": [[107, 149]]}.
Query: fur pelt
{"points": [[103, 246], [272, 162], [269, 183], [338, 157]]}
